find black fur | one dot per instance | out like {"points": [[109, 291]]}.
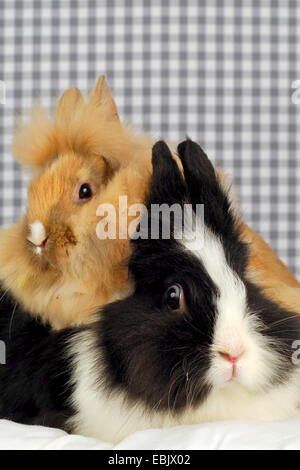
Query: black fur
{"points": [[156, 356], [35, 381]]}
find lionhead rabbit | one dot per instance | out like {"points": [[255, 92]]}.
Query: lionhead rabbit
{"points": [[52, 260], [196, 340]]}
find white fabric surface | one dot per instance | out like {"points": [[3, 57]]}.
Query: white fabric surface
{"points": [[223, 435]]}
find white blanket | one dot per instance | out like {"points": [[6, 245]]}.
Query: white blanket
{"points": [[222, 435]]}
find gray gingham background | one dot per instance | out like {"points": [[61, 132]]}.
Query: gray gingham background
{"points": [[221, 71]]}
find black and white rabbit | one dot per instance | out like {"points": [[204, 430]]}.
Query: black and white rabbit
{"points": [[195, 342]]}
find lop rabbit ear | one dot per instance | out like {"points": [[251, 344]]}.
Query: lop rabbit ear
{"points": [[67, 105], [102, 98], [168, 186]]}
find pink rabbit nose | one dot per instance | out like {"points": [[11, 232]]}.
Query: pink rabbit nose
{"points": [[229, 357]]}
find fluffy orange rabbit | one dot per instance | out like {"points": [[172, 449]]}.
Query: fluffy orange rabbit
{"points": [[52, 260]]}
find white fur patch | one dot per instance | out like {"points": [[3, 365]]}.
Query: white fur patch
{"points": [[235, 330], [99, 414], [37, 233]]}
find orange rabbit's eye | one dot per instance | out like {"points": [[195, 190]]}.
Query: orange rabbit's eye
{"points": [[85, 191]]}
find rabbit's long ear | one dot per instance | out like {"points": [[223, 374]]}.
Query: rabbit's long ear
{"points": [[168, 185], [204, 186], [102, 98], [199, 172], [67, 105]]}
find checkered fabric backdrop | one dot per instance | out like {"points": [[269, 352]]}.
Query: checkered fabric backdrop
{"points": [[218, 70]]}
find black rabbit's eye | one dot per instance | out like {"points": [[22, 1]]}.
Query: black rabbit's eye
{"points": [[174, 298], [85, 191]]}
